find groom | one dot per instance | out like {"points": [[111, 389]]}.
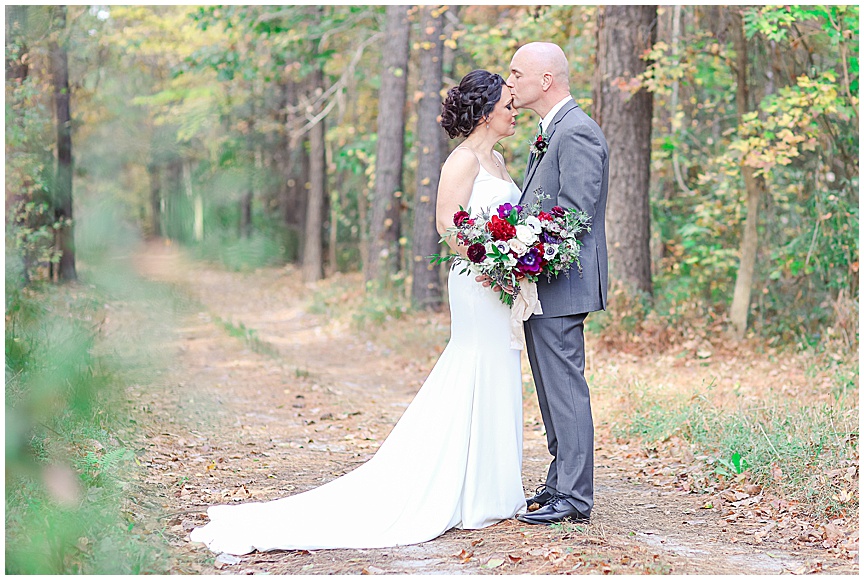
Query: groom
{"points": [[573, 170]]}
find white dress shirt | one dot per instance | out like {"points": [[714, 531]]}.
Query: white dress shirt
{"points": [[547, 120]]}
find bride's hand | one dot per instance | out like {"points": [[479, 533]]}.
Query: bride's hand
{"points": [[487, 281]]}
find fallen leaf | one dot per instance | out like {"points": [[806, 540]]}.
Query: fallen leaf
{"points": [[753, 489], [493, 563]]}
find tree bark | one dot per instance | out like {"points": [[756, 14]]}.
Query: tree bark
{"points": [[246, 213], [426, 282], [155, 200], [384, 229], [65, 236], [171, 200], [313, 250], [740, 308], [448, 60], [623, 34]]}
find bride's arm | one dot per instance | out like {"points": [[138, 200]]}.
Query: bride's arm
{"points": [[454, 190]]}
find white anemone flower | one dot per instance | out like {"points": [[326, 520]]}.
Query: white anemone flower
{"points": [[534, 223], [550, 251]]}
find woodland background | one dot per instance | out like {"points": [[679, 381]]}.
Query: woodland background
{"points": [[307, 137]]}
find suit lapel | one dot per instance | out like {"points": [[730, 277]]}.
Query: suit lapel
{"points": [[532, 164]]}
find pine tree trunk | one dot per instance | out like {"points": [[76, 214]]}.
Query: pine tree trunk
{"points": [[313, 253], [750, 239], [384, 229], [155, 200], [426, 283], [623, 34], [65, 237]]}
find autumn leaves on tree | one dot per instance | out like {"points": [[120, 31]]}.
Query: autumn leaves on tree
{"points": [[263, 135]]}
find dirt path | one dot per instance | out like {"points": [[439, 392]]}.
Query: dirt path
{"points": [[265, 400]]}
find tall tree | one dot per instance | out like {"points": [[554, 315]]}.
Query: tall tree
{"points": [[65, 237], [384, 228], [754, 185], [313, 251], [624, 110], [153, 173], [426, 283]]}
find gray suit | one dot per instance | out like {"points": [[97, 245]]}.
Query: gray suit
{"points": [[574, 172]]}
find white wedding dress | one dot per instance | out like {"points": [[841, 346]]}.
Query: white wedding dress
{"points": [[454, 459]]}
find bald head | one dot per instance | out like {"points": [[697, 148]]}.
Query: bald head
{"points": [[539, 76], [546, 57]]}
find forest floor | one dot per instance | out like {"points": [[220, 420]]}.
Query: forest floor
{"points": [[264, 397]]}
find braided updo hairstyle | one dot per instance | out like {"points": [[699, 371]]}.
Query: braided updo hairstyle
{"points": [[471, 101]]}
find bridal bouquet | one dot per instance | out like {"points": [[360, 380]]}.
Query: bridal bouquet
{"points": [[518, 243]]}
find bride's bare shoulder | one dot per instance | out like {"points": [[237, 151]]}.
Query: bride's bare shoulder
{"points": [[461, 162]]}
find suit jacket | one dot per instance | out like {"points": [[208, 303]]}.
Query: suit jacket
{"points": [[574, 173]]}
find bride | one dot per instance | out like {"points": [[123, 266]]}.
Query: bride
{"points": [[454, 459]]}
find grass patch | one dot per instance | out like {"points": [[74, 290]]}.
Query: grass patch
{"points": [[249, 336], [801, 450]]}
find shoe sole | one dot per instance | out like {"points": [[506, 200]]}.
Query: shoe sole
{"points": [[568, 520]]}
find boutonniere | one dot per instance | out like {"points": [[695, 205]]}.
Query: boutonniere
{"points": [[540, 144]]}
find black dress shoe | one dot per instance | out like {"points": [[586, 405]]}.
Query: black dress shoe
{"points": [[542, 496], [557, 510]]}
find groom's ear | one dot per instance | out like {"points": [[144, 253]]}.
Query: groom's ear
{"points": [[546, 81]]}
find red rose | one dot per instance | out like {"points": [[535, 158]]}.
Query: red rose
{"points": [[459, 217], [501, 229], [544, 217]]}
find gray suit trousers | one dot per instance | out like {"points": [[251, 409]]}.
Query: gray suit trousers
{"points": [[556, 350]]}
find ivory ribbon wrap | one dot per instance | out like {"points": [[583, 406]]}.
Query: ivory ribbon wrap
{"points": [[526, 303]]}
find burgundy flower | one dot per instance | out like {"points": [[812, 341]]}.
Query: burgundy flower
{"points": [[459, 217], [544, 217], [476, 253], [540, 144], [558, 211], [531, 262], [500, 229]]}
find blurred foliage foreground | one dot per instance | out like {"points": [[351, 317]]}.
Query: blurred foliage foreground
{"points": [[71, 353]]}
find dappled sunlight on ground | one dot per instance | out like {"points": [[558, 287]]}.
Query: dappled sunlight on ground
{"points": [[278, 388]]}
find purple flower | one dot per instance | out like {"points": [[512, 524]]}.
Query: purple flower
{"points": [[476, 253], [530, 262], [550, 239], [504, 210]]}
